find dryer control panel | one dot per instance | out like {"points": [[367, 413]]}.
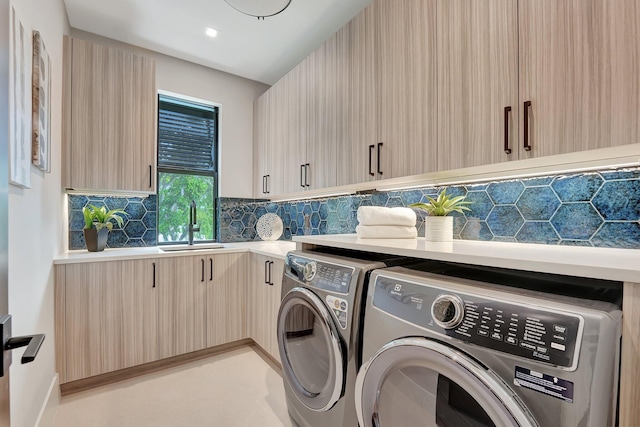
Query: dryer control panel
{"points": [[503, 324], [322, 275]]}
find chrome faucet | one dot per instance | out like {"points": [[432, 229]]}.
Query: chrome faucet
{"points": [[193, 221]]}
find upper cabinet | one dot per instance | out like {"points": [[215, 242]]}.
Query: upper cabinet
{"points": [[267, 179], [477, 82], [355, 157], [390, 82], [579, 66], [360, 107], [406, 98], [415, 86], [532, 78], [109, 132]]}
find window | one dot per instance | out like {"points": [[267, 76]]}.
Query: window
{"points": [[187, 168]]}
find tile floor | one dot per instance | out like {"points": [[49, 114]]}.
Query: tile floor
{"points": [[237, 388]]}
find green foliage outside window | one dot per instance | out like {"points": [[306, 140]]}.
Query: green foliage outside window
{"points": [[175, 193]]}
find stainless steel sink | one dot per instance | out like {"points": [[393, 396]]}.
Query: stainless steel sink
{"points": [[195, 247]]}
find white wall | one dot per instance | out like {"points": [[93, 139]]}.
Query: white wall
{"points": [[36, 223], [235, 94]]}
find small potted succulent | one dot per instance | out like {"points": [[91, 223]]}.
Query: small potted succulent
{"points": [[97, 223], [439, 226]]}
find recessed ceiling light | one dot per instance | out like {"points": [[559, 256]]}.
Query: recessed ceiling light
{"points": [[211, 32]]}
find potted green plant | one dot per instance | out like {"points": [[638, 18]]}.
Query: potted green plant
{"points": [[97, 224], [439, 226]]}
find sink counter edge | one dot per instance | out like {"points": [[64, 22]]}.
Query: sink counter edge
{"points": [[276, 249]]}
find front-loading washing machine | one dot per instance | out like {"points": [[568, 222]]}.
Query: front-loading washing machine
{"points": [[446, 351], [318, 335]]}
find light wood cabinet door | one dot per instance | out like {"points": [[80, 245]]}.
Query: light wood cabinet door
{"points": [[109, 315], [110, 138], [140, 311], [353, 159], [477, 95], [323, 117], [406, 87], [260, 129], [263, 296], [275, 291], [226, 293], [182, 297], [579, 65], [295, 136], [276, 132]]}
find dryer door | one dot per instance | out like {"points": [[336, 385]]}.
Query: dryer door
{"points": [[419, 382], [313, 362]]}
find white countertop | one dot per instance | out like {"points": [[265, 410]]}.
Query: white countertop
{"points": [[277, 249], [600, 263]]}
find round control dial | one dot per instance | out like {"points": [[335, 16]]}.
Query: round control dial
{"points": [[309, 271], [447, 311]]}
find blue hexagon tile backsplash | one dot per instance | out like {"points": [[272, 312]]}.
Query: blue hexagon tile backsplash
{"points": [[586, 209], [139, 228]]}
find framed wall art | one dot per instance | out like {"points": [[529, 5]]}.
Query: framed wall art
{"points": [[19, 104], [41, 105]]}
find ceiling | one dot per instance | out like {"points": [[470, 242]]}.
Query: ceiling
{"points": [[261, 50]]}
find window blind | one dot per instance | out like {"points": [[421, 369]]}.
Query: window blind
{"points": [[186, 136]]}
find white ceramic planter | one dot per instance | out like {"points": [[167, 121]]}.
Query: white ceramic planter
{"points": [[438, 228]]}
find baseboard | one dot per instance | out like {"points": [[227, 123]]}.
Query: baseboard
{"points": [[50, 405], [128, 373], [269, 359]]}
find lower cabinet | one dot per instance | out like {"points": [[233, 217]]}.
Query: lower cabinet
{"points": [[182, 292], [119, 314], [108, 321], [263, 302], [226, 296]]}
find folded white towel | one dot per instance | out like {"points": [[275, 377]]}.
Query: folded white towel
{"points": [[386, 232], [378, 215]]}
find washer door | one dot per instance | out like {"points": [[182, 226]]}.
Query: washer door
{"points": [[418, 382], [313, 362]]}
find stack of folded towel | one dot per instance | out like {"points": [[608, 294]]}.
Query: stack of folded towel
{"points": [[377, 222]]}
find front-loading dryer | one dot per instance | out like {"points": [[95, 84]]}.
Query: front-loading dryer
{"points": [[318, 335], [449, 351]]}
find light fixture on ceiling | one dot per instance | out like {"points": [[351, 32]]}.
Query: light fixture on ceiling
{"points": [[259, 8], [211, 32]]}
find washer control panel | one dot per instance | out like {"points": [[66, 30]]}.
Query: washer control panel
{"points": [[322, 275], [547, 336], [447, 311]]}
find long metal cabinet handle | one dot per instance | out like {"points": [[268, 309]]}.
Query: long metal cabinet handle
{"points": [[507, 110], [268, 176], [266, 267], [264, 184], [301, 176], [202, 261], [154, 274], [379, 150], [527, 106], [270, 281], [371, 148], [210, 269], [150, 176], [306, 174]]}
